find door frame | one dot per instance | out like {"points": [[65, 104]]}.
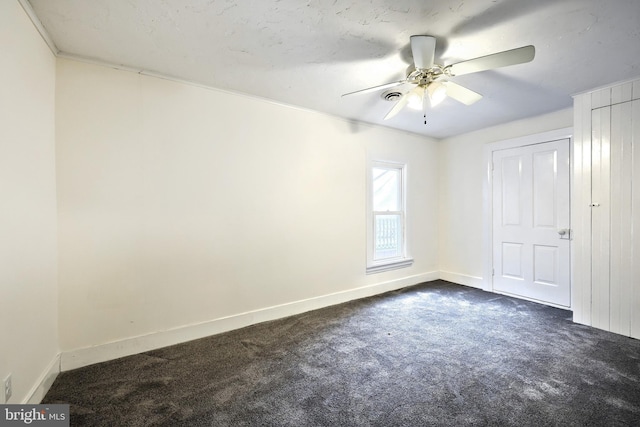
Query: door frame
{"points": [[487, 193]]}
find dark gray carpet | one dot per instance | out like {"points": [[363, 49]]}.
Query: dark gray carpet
{"points": [[435, 354]]}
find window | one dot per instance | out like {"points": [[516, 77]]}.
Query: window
{"points": [[386, 218]]}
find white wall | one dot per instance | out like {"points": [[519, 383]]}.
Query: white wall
{"points": [[179, 204], [461, 198], [28, 282]]}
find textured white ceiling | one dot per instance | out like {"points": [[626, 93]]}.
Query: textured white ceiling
{"points": [[308, 53]]}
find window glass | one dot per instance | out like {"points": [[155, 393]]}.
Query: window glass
{"points": [[386, 189], [388, 236]]}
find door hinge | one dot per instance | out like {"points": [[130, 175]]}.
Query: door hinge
{"points": [[493, 271]]}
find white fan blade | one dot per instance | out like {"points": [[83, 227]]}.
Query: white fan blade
{"points": [[374, 88], [496, 60], [399, 106], [461, 93], [423, 49]]}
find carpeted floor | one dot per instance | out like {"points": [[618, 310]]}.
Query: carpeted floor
{"points": [[435, 354]]}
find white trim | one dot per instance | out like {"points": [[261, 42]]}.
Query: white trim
{"points": [[537, 138], [26, 6], [89, 355], [122, 67], [607, 86], [487, 185], [42, 386], [389, 265], [462, 279]]}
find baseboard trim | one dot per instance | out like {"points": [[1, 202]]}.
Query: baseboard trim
{"points": [[101, 353], [42, 386], [462, 279]]}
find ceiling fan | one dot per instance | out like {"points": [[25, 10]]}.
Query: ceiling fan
{"points": [[430, 79]]}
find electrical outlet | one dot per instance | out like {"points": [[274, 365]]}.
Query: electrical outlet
{"points": [[7, 388]]}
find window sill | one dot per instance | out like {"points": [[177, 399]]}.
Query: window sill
{"points": [[392, 265]]}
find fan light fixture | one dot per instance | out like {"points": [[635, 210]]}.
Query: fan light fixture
{"points": [[437, 93], [415, 98]]}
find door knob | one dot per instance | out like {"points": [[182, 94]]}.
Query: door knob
{"points": [[565, 233]]}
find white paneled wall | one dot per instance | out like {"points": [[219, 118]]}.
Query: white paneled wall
{"points": [[606, 209]]}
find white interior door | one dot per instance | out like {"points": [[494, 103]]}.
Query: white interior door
{"points": [[531, 237]]}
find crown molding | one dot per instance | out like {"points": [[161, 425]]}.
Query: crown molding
{"points": [[26, 6]]}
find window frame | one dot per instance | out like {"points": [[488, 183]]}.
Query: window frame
{"points": [[403, 260]]}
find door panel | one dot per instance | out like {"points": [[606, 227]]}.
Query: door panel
{"points": [[530, 207], [606, 210], [544, 186], [615, 218], [545, 265], [511, 194], [512, 260]]}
